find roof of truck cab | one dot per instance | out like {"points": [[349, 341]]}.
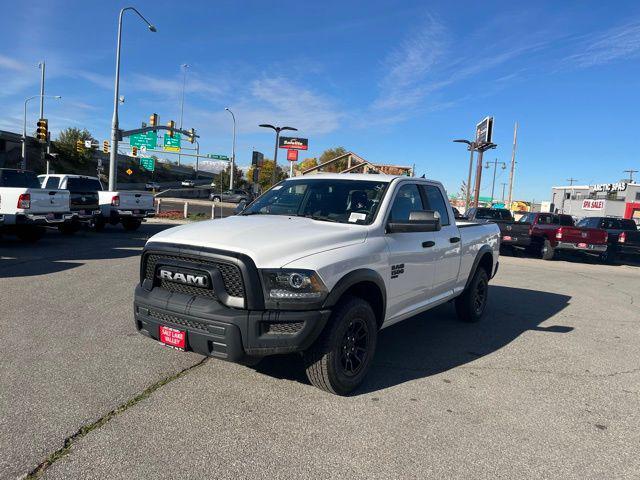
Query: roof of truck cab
{"points": [[350, 176]]}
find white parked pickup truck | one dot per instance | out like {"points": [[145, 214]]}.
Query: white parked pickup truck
{"points": [[25, 208], [316, 265]]}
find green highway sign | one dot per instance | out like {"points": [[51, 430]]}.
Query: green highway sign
{"points": [[218, 157], [172, 144], [148, 163], [147, 139]]}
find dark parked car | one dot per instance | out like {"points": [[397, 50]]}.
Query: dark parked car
{"points": [[500, 216], [623, 236], [232, 196]]}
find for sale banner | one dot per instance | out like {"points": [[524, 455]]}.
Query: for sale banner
{"points": [[593, 204]]}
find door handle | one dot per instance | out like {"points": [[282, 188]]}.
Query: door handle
{"points": [[454, 239], [428, 244]]}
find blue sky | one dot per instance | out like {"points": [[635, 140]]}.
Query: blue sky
{"points": [[393, 81]]}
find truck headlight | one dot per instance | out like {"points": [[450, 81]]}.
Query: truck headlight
{"points": [[289, 288]]}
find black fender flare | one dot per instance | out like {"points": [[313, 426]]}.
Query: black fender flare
{"points": [[353, 278], [481, 253]]}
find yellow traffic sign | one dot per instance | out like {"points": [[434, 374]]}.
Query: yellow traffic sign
{"points": [[129, 171]]}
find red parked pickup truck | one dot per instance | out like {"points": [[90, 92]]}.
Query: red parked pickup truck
{"points": [[550, 232]]}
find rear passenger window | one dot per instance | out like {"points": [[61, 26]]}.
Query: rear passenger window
{"points": [[52, 183], [436, 202]]}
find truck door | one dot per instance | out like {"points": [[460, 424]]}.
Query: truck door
{"points": [[411, 255], [447, 250]]}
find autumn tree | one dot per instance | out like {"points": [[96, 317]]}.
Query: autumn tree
{"points": [[266, 172], [330, 154]]}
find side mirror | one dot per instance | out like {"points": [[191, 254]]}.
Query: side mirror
{"points": [[419, 221]]}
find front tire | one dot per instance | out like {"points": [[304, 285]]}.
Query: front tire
{"points": [[341, 357], [216, 199], [470, 306]]}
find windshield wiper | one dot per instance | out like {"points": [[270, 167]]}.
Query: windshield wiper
{"points": [[322, 219]]}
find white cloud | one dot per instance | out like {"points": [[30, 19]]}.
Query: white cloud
{"points": [[8, 63], [195, 84], [614, 44]]}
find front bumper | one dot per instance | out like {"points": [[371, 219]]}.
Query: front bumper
{"points": [[218, 331], [582, 247], [43, 218]]}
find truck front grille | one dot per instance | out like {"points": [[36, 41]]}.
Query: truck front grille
{"points": [[231, 275], [164, 317]]}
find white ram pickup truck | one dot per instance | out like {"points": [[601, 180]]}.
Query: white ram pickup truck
{"points": [[26, 209], [316, 265]]}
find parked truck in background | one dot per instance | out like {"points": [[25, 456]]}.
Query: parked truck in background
{"points": [[545, 234], [316, 265], [623, 237], [26, 209], [500, 216], [84, 201]]}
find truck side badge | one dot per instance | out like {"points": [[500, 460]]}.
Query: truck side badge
{"points": [[397, 270]]}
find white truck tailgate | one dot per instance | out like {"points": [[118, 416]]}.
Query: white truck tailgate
{"points": [[136, 201], [47, 201]]}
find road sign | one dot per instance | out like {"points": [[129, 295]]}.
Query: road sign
{"points": [[218, 157], [484, 131], [172, 144], [292, 155], [129, 171], [293, 143], [148, 163], [144, 140], [87, 144]]}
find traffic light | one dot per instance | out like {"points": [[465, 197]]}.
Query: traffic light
{"points": [[134, 151], [42, 130], [79, 146], [171, 126], [192, 135], [105, 146], [153, 120]]}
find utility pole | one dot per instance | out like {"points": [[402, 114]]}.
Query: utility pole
{"points": [[630, 172], [503, 187], [184, 84], [571, 180], [513, 163]]}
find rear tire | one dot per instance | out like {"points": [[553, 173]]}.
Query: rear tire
{"points": [[547, 252], [471, 305], [131, 225], [341, 357], [608, 257], [215, 199], [30, 234]]}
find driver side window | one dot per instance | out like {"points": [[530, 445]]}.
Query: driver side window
{"points": [[407, 200]]}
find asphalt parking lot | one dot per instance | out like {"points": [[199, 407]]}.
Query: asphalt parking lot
{"points": [[547, 386]]}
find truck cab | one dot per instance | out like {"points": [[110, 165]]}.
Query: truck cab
{"points": [[316, 265]]}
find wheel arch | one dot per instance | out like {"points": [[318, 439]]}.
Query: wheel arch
{"points": [[484, 259], [363, 283]]}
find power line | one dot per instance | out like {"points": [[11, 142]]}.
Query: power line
{"points": [[630, 172]]}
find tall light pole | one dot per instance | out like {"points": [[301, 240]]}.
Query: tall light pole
{"points": [[233, 149], [495, 168], [113, 156], [275, 155], [41, 67], [24, 126], [184, 84], [471, 147]]}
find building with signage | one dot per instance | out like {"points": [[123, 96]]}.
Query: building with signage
{"points": [[621, 199]]}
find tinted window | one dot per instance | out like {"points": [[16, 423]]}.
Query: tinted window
{"points": [[52, 183], [626, 224], [546, 219], [610, 224], [565, 220], [407, 200], [436, 202], [19, 179], [493, 214], [83, 185], [527, 218]]}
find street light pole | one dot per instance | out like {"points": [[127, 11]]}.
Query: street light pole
{"points": [[197, 157], [113, 156], [184, 84], [275, 154], [495, 168], [471, 148], [233, 149], [41, 66], [24, 127]]}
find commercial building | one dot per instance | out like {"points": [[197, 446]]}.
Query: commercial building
{"points": [[620, 199]]}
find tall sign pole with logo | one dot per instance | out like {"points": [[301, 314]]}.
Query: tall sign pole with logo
{"points": [[293, 144], [484, 135]]}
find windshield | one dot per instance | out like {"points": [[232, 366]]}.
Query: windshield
{"points": [[18, 178], [83, 185], [493, 214], [343, 201]]}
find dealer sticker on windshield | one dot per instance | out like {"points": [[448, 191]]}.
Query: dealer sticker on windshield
{"points": [[355, 217]]}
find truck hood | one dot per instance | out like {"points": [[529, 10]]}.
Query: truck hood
{"points": [[272, 241]]}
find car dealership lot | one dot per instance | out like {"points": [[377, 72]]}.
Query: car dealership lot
{"points": [[547, 385]]}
